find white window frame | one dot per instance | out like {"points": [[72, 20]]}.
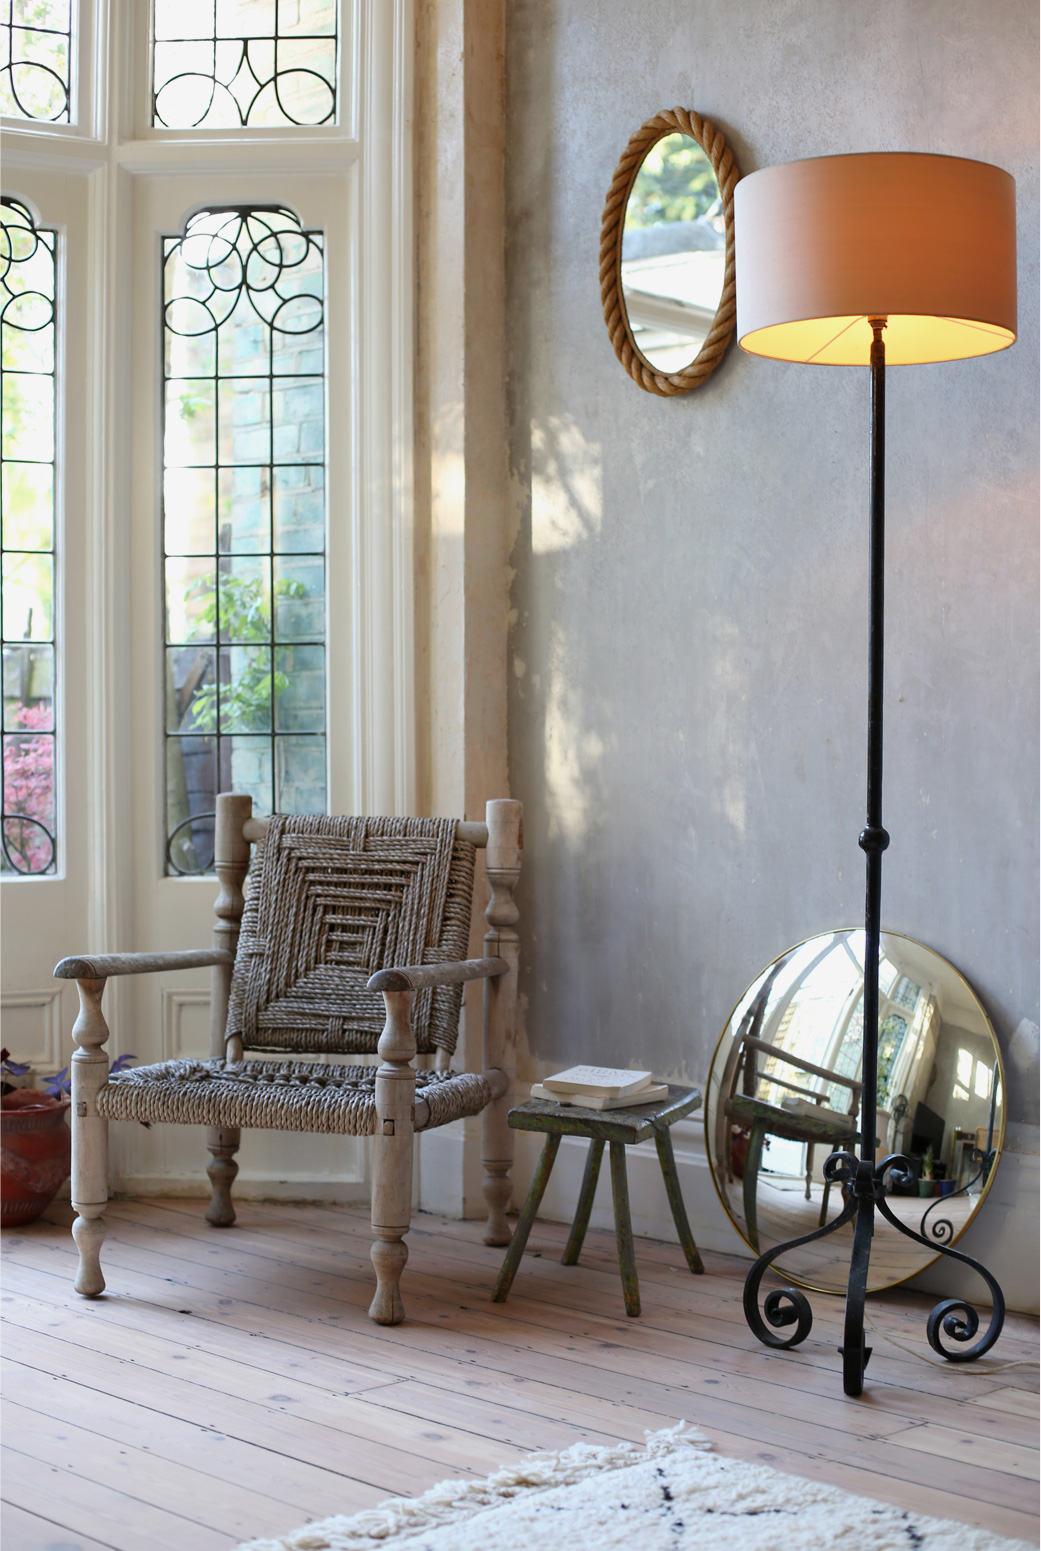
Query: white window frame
{"points": [[114, 150]]}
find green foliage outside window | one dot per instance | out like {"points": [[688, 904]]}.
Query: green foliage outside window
{"points": [[243, 616], [675, 183]]}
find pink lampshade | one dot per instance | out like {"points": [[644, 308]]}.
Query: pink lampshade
{"points": [[928, 242]]}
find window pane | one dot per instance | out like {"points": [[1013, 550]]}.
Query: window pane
{"points": [[191, 782], [301, 775], [36, 38], [27, 275], [244, 445], [220, 64]]}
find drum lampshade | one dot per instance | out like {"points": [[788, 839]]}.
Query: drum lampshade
{"points": [[927, 242]]}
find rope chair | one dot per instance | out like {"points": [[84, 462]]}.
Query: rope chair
{"points": [[352, 941]]}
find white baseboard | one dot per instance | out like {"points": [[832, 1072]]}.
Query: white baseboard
{"points": [[342, 1192]]}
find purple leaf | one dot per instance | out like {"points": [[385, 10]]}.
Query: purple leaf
{"points": [[120, 1064], [58, 1084]]}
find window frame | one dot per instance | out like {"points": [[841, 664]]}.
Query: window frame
{"points": [[57, 226], [116, 153]]}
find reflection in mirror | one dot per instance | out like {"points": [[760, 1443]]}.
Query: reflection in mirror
{"points": [[784, 1092], [673, 252]]}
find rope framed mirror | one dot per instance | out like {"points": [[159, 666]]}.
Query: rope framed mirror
{"points": [[667, 252]]}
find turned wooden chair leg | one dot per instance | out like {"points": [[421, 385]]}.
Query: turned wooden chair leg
{"points": [[528, 1213], [577, 1235], [392, 1157], [89, 1137], [667, 1159], [223, 1143], [623, 1228]]}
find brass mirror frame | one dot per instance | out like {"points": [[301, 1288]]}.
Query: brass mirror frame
{"points": [[999, 1137], [670, 121]]}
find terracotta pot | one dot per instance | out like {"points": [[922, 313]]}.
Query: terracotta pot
{"points": [[34, 1162]]}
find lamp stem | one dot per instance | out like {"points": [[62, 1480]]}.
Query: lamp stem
{"points": [[873, 838], [863, 1181]]}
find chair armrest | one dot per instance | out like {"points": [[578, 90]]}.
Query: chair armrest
{"points": [[416, 977], [100, 966]]}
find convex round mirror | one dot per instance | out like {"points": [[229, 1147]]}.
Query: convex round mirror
{"points": [[784, 1092], [667, 253]]}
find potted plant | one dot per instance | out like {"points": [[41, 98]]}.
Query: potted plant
{"points": [[36, 1144], [926, 1183]]}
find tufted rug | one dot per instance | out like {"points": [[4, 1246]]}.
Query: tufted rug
{"points": [[672, 1495]]}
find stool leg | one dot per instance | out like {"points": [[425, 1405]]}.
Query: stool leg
{"points": [[525, 1220], [824, 1204], [585, 1204], [624, 1230], [667, 1159]]}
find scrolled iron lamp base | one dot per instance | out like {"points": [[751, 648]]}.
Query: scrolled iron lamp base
{"points": [[865, 1186]]}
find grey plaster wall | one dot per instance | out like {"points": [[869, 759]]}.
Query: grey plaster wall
{"points": [[688, 653]]}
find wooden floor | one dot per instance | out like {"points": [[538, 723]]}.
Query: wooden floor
{"points": [[230, 1384]]}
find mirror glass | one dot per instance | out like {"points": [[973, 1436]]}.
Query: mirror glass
{"points": [[673, 252], [784, 1092]]}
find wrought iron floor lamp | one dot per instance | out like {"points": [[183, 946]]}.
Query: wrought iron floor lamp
{"points": [[850, 261]]}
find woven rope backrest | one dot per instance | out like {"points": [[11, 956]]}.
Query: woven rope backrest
{"points": [[331, 901]]}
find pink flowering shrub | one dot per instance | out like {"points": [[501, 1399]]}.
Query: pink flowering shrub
{"points": [[29, 789]]}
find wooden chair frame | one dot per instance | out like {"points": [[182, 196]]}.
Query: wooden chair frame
{"points": [[399, 1115]]}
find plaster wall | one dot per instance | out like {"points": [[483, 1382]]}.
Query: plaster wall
{"points": [[687, 659]]}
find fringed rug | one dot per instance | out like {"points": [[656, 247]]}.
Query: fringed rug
{"points": [[672, 1495]]}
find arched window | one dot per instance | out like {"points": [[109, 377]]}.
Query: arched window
{"points": [[28, 256], [243, 520]]}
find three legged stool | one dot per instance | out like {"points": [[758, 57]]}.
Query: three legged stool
{"points": [[622, 1128]]}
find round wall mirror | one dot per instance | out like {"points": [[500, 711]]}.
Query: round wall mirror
{"points": [[667, 253], [784, 1092]]}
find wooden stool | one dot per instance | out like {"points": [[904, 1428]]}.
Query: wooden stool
{"points": [[622, 1128]]}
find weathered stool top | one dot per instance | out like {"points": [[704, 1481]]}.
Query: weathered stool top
{"points": [[635, 1124]]}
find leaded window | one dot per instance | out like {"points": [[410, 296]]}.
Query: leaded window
{"points": [[243, 520], [35, 81], [27, 480], [228, 64]]}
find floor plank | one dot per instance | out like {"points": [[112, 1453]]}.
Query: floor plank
{"points": [[125, 1522], [241, 1369], [33, 1532]]}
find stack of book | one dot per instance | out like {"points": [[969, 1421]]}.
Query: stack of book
{"points": [[601, 1087]]}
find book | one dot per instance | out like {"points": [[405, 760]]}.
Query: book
{"points": [[652, 1094], [605, 1082]]}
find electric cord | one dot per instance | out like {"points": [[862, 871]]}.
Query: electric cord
{"points": [[941, 1362]]}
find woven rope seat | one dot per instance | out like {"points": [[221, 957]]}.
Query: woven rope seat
{"points": [[277, 1095]]}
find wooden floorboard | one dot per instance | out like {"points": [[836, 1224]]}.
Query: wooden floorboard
{"points": [[230, 1385]]}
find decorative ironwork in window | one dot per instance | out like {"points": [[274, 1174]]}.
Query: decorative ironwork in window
{"points": [[891, 1032], [243, 520], [34, 76], [226, 64], [27, 469]]}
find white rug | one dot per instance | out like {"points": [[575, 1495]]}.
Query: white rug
{"points": [[672, 1495]]}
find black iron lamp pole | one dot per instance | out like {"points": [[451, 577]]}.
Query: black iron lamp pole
{"points": [[863, 1179]]}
